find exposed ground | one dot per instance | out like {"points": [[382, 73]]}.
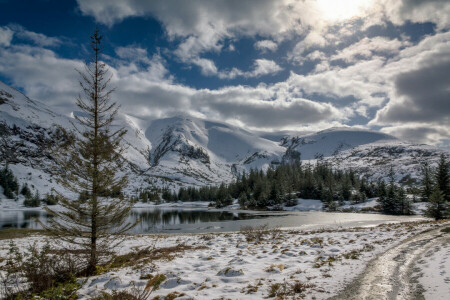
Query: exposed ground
{"points": [[403, 271]]}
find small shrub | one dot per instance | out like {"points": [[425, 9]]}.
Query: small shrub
{"points": [[282, 290], [32, 201], [37, 270], [51, 199], [254, 233], [63, 291]]}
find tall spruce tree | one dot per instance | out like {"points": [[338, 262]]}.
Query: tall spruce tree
{"points": [[437, 207], [96, 219], [427, 183], [443, 177]]}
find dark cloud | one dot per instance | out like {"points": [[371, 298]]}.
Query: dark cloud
{"points": [[424, 94]]}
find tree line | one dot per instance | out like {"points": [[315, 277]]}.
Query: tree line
{"points": [[281, 185]]}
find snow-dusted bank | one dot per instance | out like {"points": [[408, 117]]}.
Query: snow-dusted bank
{"points": [[254, 264]]}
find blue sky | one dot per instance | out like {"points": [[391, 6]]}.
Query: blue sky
{"points": [[266, 65]]}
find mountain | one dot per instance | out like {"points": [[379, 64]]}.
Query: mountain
{"points": [[205, 152], [368, 152], [183, 150]]}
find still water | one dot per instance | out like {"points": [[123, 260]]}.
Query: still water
{"points": [[183, 220]]}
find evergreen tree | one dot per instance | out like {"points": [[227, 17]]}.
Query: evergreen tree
{"points": [[8, 182], [90, 159], [388, 200], [403, 204], [32, 201], [243, 200], [438, 208], [443, 177], [427, 183], [25, 191]]}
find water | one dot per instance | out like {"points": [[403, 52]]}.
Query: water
{"points": [[184, 220]]}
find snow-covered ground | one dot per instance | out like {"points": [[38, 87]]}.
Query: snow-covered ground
{"points": [[230, 266], [435, 271], [305, 205]]}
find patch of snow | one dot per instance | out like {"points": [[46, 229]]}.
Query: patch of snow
{"points": [[305, 205]]}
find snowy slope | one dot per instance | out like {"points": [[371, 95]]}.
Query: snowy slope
{"points": [[209, 151], [32, 132], [332, 141]]}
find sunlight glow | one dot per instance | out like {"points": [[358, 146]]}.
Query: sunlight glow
{"points": [[342, 10]]}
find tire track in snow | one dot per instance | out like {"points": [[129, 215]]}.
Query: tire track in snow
{"points": [[393, 274]]}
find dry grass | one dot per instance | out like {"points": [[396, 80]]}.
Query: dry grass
{"points": [[15, 233], [148, 255], [283, 290], [258, 233]]}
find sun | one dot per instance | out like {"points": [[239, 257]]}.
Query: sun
{"points": [[342, 10]]}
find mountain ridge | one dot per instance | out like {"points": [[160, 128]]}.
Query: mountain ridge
{"points": [[184, 150]]}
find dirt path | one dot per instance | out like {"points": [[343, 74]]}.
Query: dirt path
{"points": [[392, 274]]}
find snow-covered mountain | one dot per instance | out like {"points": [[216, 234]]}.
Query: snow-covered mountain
{"points": [[190, 151], [206, 152]]}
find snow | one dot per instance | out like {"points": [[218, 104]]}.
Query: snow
{"points": [[305, 205], [420, 207], [228, 265], [331, 141], [370, 203], [435, 271]]}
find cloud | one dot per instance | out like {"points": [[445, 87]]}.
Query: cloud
{"points": [[421, 133], [366, 48], [145, 90], [260, 67], [266, 45], [313, 39], [418, 11], [421, 95], [37, 38], [203, 25], [6, 36], [41, 73], [421, 84]]}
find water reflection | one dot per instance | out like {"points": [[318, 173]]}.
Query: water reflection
{"points": [[183, 220], [22, 219], [152, 219]]}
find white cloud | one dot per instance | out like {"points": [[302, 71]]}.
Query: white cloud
{"points": [[6, 36], [313, 39], [421, 133], [260, 67], [266, 45], [146, 90], [37, 38], [204, 25], [418, 11], [366, 48]]}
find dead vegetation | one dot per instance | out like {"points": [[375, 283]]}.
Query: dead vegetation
{"points": [[148, 255], [17, 233], [258, 233], [286, 290]]}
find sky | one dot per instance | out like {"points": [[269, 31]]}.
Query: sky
{"points": [[262, 65]]}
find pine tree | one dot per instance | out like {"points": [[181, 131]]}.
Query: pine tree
{"points": [[403, 204], [427, 183], [243, 200], [437, 208], [443, 177], [90, 159]]}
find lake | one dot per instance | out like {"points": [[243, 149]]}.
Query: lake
{"points": [[198, 220]]}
